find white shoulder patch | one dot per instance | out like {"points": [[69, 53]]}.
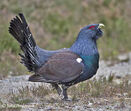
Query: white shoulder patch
{"points": [[79, 60]]}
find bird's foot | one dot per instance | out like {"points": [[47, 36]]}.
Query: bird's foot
{"points": [[64, 95], [56, 86], [67, 99]]}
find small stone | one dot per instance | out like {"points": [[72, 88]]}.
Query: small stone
{"points": [[123, 58], [90, 104]]}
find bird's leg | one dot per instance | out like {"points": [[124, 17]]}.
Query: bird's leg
{"points": [[64, 93], [58, 89]]}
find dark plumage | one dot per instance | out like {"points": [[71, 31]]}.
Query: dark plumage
{"points": [[63, 67]]}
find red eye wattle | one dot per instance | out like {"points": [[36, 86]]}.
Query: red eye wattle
{"points": [[91, 27]]}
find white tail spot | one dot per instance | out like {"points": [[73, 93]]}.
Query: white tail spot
{"points": [[79, 60]]}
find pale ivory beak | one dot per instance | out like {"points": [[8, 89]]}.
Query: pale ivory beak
{"points": [[101, 26]]}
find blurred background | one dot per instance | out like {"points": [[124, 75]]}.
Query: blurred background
{"points": [[56, 23]]}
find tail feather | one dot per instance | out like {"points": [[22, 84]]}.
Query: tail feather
{"points": [[19, 29]]}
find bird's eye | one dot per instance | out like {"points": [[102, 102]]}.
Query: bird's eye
{"points": [[92, 27]]}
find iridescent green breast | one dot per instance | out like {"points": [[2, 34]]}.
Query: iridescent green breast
{"points": [[91, 61]]}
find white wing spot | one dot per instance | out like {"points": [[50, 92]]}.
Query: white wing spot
{"points": [[79, 60]]}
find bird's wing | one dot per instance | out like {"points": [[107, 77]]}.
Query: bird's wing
{"points": [[61, 67]]}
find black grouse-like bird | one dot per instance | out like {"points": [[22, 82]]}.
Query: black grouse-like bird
{"points": [[62, 68]]}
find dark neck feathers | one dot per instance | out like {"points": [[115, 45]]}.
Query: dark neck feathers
{"points": [[84, 46]]}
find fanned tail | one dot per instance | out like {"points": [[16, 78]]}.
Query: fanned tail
{"points": [[20, 31]]}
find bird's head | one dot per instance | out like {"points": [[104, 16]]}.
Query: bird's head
{"points": [[93, 31]]}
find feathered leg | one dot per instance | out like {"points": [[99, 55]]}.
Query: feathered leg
{"points": [[58, 89], [64, 93]]}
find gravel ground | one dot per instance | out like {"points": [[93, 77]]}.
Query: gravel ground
{"points": [[121, 69]]}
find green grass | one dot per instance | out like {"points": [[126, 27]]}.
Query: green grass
{"points": [[10, 108], [103, 87], [10, 65], [19, 101], [29, 95], [7, 107], [7, 42]]}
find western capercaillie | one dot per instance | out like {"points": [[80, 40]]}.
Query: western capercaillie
{"points": [[63, 67]]}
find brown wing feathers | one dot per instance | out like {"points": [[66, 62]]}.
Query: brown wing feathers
{"points": [[61, 67]]}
